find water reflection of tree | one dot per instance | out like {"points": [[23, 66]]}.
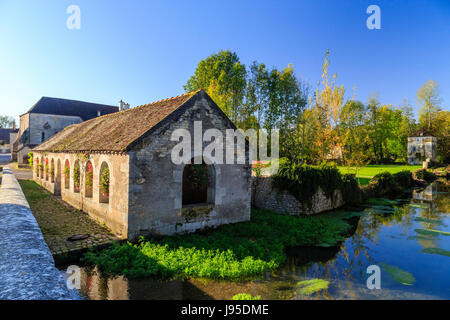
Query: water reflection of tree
{"points": [[348, 267]]}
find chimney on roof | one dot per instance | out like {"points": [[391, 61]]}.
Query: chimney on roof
{"points": [[123, 105], [14, 124]]}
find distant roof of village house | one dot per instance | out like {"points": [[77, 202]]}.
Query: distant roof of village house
{"points": [[4, 134], [421, 133], [116, 131], [66, 107]]}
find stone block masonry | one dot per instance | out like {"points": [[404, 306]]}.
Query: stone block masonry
{"points": [[268, 198], [27, 268]]}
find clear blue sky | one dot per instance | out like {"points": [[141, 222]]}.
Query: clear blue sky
{"points": [[142, 51]]}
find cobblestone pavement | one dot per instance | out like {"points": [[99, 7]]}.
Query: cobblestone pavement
{"points": [[58, 221]]}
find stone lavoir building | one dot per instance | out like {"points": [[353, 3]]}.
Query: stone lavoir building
{"points": [[118, 169]]}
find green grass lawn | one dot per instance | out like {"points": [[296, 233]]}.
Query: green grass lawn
{"points": [[368, 172]]}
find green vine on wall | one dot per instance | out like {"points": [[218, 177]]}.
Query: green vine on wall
{"points": [[76, 178], [89, 174], [67, 171], [303, 182], [30, 159], [52, 171]]}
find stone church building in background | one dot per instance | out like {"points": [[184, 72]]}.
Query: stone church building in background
{"points": [[49, 116], [118, 168]]}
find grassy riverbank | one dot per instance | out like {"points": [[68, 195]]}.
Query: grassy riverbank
{"points": [[230, 252], [368, 172]]}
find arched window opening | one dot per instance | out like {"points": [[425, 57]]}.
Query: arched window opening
{"points": [[52, 171], [36, 161], [198, 184], [46, 169], [41, 168], [67, 175], [76, 176], [88, 179], [104, 183], [58, 177]]}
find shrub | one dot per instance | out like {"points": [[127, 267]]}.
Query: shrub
{"points": [[424, 174], [404, 178], [303, 181], [351, 192], [383, 183], [245, 296], [30, 159]]}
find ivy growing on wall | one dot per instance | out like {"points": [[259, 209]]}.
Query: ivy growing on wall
{"points": [[76, 178], [303, 181]]}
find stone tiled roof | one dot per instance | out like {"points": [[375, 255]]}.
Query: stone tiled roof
{"points": [[66, 107], [421, 133], [113, 132]]}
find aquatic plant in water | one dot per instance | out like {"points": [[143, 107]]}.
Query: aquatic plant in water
{"points": [[431, 221], [399, 275], [432, 232], [439, 251], [232, 252], [308, 287]]}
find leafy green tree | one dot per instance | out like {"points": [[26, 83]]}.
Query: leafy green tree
{"points": [[257, 93], [6, 122], [428, 98], [355, 135], [224, 78]]}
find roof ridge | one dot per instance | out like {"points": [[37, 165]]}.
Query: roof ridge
{"points": [[97, 103]]}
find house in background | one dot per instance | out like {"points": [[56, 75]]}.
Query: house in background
{"points": [[7, 135], [421, 147], [49, 116]]}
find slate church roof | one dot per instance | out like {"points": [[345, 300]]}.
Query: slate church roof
{"points": [[66, 107], [4, 134], [116, 132]]}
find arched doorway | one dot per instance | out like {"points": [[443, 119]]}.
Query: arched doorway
{"points": [[198, 184]]}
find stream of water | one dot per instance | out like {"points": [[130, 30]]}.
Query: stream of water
{"points": [[410, 244]]}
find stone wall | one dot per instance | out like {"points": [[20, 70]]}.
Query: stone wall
{"points": [[27, 267], [49, 124], [114, 213], [156, 182], [266, 197], [421, 148]]}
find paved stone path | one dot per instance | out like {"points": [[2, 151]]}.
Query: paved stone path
{"points": [[58, 221], [27, 269]]}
